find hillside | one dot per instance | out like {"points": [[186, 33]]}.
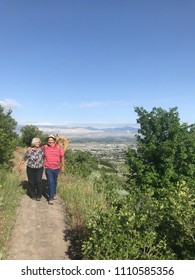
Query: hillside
{"points": [[87, 132]]}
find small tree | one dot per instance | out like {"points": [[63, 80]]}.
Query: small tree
{"points": [[165, 150], [164, 163], [8, 136], [29, 132]]}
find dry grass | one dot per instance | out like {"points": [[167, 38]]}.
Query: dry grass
{"points": [[80, 199], [10, 193]]}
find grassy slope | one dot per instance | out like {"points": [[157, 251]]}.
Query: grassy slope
{"points": [[10, 193]]}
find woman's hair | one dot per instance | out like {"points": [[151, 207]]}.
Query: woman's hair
{"points": [[34, 140]]}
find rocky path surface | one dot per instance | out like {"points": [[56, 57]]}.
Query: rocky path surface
{"points": [[39, 232]]}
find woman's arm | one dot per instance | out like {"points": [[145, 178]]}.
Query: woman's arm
{"points": [[62, 163], [25, 157], [21, 164]]}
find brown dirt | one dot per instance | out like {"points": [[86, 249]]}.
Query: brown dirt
{"points": [[39, 229]]}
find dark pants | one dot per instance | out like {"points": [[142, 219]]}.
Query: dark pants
{"points": [[52, 176], [35, 181]]}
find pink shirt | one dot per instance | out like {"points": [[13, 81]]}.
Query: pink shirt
{"points": [[53, 156]]}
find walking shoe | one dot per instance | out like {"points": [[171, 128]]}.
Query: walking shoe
{"points": [[50, 202], [55, 197], [38, 198]]}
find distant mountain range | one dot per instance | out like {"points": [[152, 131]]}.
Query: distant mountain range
{"points": [[89, 132]]}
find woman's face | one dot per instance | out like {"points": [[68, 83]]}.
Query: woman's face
{"points": [[37, 144]]}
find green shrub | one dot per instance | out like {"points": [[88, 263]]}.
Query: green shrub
{"points": [[142, 226], [125, 233], [8, 137], [28, 132], [177, 209], [80, 163]]}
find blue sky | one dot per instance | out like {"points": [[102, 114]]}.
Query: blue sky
{"points": [[93, 61]]}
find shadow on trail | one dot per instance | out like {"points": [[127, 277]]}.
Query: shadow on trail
{"points": [[27, 188], [74, 237]]}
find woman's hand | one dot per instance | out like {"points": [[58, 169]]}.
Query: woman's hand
{"points": [[19, 168]]}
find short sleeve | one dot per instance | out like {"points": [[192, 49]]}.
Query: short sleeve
{"points": [[61, 152], [26, 156]]}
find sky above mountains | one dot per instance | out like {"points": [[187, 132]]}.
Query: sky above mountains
{"points": [[83, 62]]}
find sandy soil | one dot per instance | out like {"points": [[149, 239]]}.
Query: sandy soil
{"points": [[39, 231]]}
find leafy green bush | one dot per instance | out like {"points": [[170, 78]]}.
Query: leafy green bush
{"points": [[165, 150], [28, 132], [80, 163], [126, 232], [8, 137], [111, 185], [177, 225], [141, 226]]}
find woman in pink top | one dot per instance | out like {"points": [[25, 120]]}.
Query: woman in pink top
{"points": [[54, 161]]}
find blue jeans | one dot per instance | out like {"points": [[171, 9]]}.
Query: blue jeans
{"points": [[52, 176]]}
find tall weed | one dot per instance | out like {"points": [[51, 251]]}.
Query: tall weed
{"points": [[9, 198], [80, 198]]}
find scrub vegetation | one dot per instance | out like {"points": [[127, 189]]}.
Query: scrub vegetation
{"points": [[140, 209]]}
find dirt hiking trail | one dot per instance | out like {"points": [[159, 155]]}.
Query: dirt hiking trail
{"points": [[39, 231]]}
